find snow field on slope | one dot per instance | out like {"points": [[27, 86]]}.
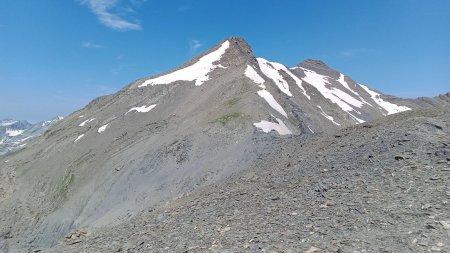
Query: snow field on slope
{"points": [[267, 126], [345, 84], [389, 107], [272, 102], [274, 75], [251, 73], [271, 70], [337, 96], [198, 72], [13, 133]]}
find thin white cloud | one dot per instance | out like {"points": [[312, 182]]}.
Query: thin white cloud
{"points": [[115, 13], [91, 45], [194, 45]]}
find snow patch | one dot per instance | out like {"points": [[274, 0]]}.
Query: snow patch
{"points": [[8, 122], [389, 107], [142, 108], [198, 72], [253, 75], [102, 128], [345, 84], [79, 138], [86, 121], [272, 102], [335, 95], [327, 116], [270, 70], [273, 68], [13, 133], [267, 126], [356, 118]]}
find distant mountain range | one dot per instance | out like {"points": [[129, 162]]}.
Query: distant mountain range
{"points": [[162, 137], [16, 134]]}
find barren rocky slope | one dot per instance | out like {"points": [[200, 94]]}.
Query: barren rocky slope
{"points": [[382, 186]]}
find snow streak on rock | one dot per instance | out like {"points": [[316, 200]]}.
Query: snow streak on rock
{"points": [[142, 108], [337, 96], [327, 116], [345, 84], [272, 102], [269, 70], [344, 100], [102, 128], [389, 107], [251, 73], [79, 138], [198, 72], [267, 126], [86, 121]]}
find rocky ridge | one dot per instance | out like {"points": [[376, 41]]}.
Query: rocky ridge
{"points": [[382, 186]]}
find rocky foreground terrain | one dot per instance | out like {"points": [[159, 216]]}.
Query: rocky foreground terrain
{"points": [[382, 186]]}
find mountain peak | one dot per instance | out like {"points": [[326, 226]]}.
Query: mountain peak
{"points": [[320, 67], [231, 52], [238, 47], [237, 42], [312, 63], [235, 46]]}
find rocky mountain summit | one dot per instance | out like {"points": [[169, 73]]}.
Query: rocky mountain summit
{"points": [[161, 139]]}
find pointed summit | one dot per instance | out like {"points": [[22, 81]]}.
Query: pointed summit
{"points": [[239, 52], [311, 63], [236, 49], [319, 67]]}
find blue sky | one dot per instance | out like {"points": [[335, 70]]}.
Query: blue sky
{"points": [[56, 56]]}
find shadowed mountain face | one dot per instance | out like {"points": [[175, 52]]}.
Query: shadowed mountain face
{"points": [[159, 138]]}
